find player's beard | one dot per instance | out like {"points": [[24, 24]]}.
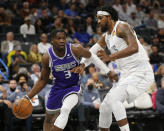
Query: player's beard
{"points": [[105, 28]]}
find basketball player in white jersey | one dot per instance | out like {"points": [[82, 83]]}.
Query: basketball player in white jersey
{"points": [[136, 72]]}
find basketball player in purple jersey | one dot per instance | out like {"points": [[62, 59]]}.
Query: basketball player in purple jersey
{"points": [[60, 59]]}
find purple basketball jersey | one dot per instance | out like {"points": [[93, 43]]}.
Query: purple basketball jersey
{"points": [[65, 82]]}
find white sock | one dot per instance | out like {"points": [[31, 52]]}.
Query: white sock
{"points": [[125, 128]]}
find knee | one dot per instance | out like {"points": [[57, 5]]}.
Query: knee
{"points": [[109, 103], [49, 119]]}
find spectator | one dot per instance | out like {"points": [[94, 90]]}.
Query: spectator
{"points": [[161, 35], [27, 28], [82, 11], [63, 5], [159, 75], [151, 22], [139, 13], [14, 93], [13, 11], [39, 27], [157, 43], [12, 90], [161, 21], [133, 20], [35, 72], [5, 19], [34, 55], [43, 45], [98, 83], [123, 13], [81, 36], [71, 13], [54, 12], [153, 88], [156, 7], [3, 94], [89, 25], [101, 2], [87, 74], [70, 27], [25, 77], [62, 17], [160, 98], [90, 103], [5, 110], [117, 5], [155, 58], [57, 24], [8, 45], [3, 83], [130, 7], [97, 36], [25, 10], [24, 89], [46, 19], [145, 5], [91, 6], [15, 58], [33, 15]]}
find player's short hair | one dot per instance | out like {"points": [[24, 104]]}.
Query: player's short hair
{"points": [[110, 10], [54, 32]]}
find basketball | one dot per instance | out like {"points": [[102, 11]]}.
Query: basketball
{"points": [[22, 108]]}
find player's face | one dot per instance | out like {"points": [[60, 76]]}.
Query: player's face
{"points": [[60, 41], [102, 21]]}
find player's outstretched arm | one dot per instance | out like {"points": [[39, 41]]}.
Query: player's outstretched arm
{"points": [[100, 45], [43, 80], [79, 52]]}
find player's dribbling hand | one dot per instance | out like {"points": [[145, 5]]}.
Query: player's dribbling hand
{"points": [[79, 69], [113, 76]]}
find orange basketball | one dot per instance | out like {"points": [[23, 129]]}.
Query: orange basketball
{"points": [[22, 108]]}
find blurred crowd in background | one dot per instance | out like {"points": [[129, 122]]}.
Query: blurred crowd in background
{"points": [[25, 27]]}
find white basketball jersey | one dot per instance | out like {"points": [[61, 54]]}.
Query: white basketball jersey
{"points": [[115, 44]]}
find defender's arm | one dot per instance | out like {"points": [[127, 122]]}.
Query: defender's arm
{"points": [[79, 52], [101, 45]]}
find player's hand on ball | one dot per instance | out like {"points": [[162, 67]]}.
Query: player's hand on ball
{"points": [[79, 69], [113, 76]]}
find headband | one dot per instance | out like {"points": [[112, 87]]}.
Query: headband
{"points": [[102, 13]]}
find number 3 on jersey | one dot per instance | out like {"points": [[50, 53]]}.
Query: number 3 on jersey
{"points": [[67, 74]]}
